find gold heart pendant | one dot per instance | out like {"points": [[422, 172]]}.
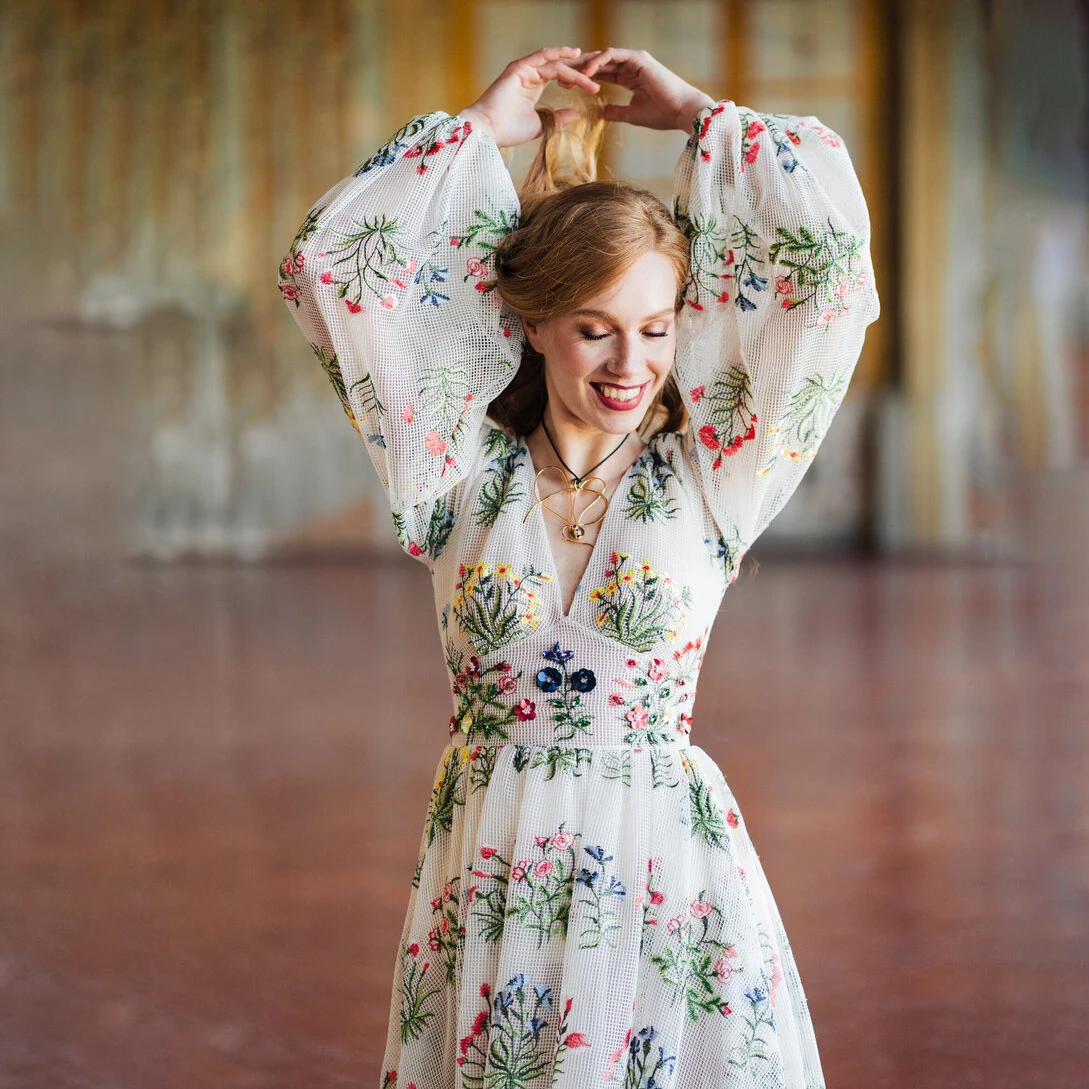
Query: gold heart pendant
{"points": [[573, 525]]}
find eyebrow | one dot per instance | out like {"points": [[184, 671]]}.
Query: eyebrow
{"points": [[605, 316]]}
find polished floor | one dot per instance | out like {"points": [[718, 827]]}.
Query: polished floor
{"points": [[213, 780]]}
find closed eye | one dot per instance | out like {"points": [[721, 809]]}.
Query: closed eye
{"points": [[656, 334]]}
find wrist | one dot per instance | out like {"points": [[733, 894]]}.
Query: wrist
{"points": [[691, 108], [478, 120]]}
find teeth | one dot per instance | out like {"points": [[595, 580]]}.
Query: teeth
{"points": [[615, 393]]}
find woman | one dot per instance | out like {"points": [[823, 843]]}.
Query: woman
{"points": [[584, 410]]}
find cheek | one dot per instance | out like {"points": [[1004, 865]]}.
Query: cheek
{"points": [[576, 359], [661, 359]]}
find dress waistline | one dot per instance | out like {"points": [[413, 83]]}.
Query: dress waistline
{"points": [[543, 734]]}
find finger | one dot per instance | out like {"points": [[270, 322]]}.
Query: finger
{"points": [[582, 58], [613, 112], [566, 116], [610, 73], [553, 52], [566, 76], [612, 57]]}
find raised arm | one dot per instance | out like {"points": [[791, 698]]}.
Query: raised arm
{"points": [[780, 292], [390, 280]]}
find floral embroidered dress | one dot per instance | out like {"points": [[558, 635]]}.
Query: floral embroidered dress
{"points": [[587, 905]]}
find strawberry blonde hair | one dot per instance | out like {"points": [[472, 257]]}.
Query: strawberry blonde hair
{"points": [[576, 236]]}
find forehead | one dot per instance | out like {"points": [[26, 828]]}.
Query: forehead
{"points": [[646, 287]]}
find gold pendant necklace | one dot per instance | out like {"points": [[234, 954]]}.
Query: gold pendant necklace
{"points": [[574, 524]]}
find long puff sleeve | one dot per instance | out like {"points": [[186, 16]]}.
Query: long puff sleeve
{"points": [[779, 296], [390, 279]]}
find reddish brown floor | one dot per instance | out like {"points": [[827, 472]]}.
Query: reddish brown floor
{"points": [[213, 780]]}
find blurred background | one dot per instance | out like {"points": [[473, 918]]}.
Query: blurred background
{"points": [[222, 695]]}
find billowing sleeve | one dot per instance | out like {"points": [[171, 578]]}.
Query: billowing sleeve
{"points": [[390, 279], [780, 293]]}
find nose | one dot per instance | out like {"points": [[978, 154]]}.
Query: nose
{"points": [[628, 361]]}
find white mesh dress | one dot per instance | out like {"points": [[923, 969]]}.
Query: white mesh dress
{"points": [[587, 905]]}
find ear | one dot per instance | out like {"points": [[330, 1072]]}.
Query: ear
{"points": [[533, 335]]}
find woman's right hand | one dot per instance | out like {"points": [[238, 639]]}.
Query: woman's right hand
{"points": [[508, 108]]}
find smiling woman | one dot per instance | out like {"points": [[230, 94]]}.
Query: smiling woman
{"points": [[576, 238], [587, 904]]}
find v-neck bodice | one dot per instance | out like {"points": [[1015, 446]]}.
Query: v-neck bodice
{"points": [[538, 515], [639, 617]]}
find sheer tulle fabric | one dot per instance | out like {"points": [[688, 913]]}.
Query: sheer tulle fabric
{"points": [[587, 905]]}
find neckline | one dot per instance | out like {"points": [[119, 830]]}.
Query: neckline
{"points": [[538, 515]]}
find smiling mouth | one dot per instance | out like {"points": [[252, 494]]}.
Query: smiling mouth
{"points": [[619, 393]]}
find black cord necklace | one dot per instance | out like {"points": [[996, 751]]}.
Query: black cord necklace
{"points": [[575, 478], [574, 526]]}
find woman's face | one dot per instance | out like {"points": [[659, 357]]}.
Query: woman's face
{"points": [[606, 361]]}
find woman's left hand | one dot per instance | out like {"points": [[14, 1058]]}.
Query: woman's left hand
{"points": [[660, 98]]}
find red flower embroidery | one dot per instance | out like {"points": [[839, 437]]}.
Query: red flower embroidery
{"points": [[435, 443]]}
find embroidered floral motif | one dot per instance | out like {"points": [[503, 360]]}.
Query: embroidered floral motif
{"points": [[569, 717], [517, 1051], [439, 527], [534, 892], [654, 692], [759, 1015], [645, 1067], [701, 124], [798, 434], [389, 152], [500, 488], [693, 962], [650, 900], [415, 993], [446, 936], [566, 1040], [784, 140], [602, 915], [485, 233], [707, 252], [728, 409], [705, 813], [638, 605], [648, 497], [482, 694], [445, 794], [295, 262], [822, 270], [495, 604], [438, 138], [557, 758]]}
